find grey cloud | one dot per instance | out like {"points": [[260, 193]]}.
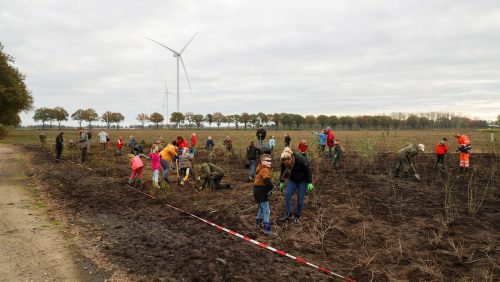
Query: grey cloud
{"points": [[323, 57]]}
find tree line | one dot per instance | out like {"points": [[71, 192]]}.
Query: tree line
{"points": [[295, 121], [277, 121], [59, 114]]}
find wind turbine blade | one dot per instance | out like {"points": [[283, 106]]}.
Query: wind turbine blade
{"points": [[163, 45], [182, 50], [185, 71]]}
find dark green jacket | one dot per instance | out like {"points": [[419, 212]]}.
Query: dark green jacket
{"points": [[408, 152]]}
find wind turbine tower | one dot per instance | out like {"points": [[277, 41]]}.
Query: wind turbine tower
{"points": [[178, 55], [166, 100]]}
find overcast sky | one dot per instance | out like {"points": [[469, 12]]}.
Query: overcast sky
{"points": [[306, 57]]}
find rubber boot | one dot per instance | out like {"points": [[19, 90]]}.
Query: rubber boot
{"points": [[267, 229], [139, 183], [131, 181], [258, 222], [286, 216]]}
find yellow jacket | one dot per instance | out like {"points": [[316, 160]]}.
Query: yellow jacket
{"points": [[168, 153]]}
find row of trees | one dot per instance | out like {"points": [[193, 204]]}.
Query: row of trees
{"points": [[276, 120], [59, 115], [295, 121]]}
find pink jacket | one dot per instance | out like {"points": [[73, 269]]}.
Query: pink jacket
{"points": [[155, 161], [137, 163]]}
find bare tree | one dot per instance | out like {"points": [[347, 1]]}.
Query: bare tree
{"points": [[142, 118], [219, 118]]}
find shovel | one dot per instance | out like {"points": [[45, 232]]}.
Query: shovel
{"points": [[416, 174], [177, 171]]}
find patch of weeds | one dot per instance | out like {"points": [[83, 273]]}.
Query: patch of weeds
{"points": [[57, 222], [430, 267], [366, 149], [39, 203], [21, 177]]}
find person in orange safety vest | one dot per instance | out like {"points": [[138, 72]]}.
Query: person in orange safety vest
{"points": [[464, 147]]}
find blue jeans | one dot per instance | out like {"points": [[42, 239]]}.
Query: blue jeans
{"points": [[155, 175], [301, 192], [166, 168], [251, 164], [264, 212]]}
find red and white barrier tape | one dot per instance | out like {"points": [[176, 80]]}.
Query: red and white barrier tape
{"points": [[255, 242]]}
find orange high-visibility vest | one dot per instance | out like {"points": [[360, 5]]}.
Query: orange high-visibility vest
{"points": [[463, 140]]}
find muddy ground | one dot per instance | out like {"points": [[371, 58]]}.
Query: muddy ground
{"points": [[358, 221]]}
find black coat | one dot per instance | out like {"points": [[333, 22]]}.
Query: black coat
{"points": [[301, 171], [287, 141], [252, 152], [59, 141], [261, 134]]}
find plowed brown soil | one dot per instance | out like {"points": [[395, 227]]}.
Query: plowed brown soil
{"points": [[358, 221]]}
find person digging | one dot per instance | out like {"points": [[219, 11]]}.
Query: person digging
{"points": [[211, 176], [404, 158], [299, 174], [137, 166]]}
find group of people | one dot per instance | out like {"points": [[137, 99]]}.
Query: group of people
{"points": [[294, 164], [176, 155], [297, 170], [405, 154], [335, 149]]}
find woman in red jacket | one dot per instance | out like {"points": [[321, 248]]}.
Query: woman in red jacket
{"points": [[441, 149], [193, 142]]}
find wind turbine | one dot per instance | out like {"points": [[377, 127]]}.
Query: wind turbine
{"points": [[166, 99], [179, 58]]}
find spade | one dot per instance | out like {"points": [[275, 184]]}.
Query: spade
{"points": [[416, 174]]}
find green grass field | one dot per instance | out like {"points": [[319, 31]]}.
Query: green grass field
{"points": [[381, 141]]}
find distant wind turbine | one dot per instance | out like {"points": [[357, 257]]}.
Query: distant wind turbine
{"points": [[166, 99], [179, 57]]}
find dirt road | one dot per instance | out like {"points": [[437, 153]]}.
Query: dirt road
{"points": [[31, 245]]}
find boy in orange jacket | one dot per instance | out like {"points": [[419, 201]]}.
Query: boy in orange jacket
{"points": [[261, 187]]}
